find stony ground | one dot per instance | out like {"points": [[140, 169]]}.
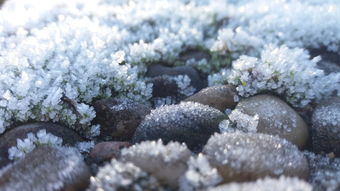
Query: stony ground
{"points": [[186, 95]]}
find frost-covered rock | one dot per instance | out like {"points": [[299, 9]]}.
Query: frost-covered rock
{"points": [[10, 138], [220, 97], [248, 156], [199, 176], [324, 172], [287, 72], [165, 162], [119, 176], [326, 126], [46, 169], [159, 70], [188, 122], [273, 117], [268, 184], [119, 118]]}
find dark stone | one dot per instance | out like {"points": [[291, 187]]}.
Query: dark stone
{"points": [[220, 97], [196, 55], [164, 86], [188, 122], [105, 151], [119, 118], [9, 138], [159, 70], [47, 168], [326, 127], [330, 61]]}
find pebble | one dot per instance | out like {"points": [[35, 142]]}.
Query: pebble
{"points": [[248, 156], [106, 151], [326, 127], [221, 97], [160, 70], [188, 122], [275, 117], [47, 168], [9, 138], [119, 118], [165, 162]]}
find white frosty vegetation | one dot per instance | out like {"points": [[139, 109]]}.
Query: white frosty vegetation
{"points": [[122, 176], [288, 72], [31, 142], [199, 176]]}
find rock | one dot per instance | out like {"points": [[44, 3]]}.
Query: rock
{"points": [[9, 138], [123, 177], [267, 184], [119, 118], [221, 97], [275, 117], [244, 157], [330, 61], [324, 172], [188, 122], [105, 151], [326, 126], [46, 169], [195, 55], [165, 162], [160, 70]]}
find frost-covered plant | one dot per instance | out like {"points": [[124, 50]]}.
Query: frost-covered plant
{"points": [[200, 175], [32, 141], [288, 72], [63, 54], [295, 23]]}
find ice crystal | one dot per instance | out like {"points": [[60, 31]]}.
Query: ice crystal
{"points": [[285, 71], [200, 175], [32, 141], [325, 172], [268, 184], [122, 176]]}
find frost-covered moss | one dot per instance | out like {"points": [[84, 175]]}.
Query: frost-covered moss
{"points": [[288, 72]]}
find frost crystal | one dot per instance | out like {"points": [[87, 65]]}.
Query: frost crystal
{"points": [[325, 172], [244, 122], [268, 184], [200, 175], [27, 145], [285, 71], [118, 176]]}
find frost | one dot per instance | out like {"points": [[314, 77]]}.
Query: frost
{"points": [[289, 72], [32, 141], [325, 172], [85, 146], [200, 175], [244, 122], [165, 162], [122, 176], [267, 184]]}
